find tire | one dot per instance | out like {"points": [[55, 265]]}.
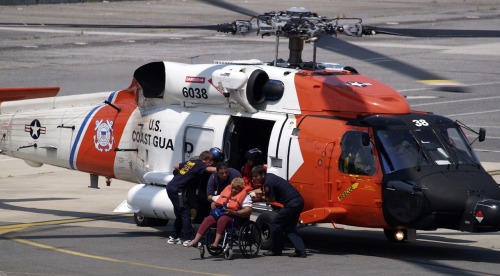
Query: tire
{"points": [[202, 252], [142, 221], [159, 222], [228, 254], [209, 238], [264, 224]]}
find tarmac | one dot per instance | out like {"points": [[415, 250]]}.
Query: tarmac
{"points": [[38, 2]]}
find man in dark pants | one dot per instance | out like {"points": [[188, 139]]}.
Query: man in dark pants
{"points": [[176, 191], [279, 190]]}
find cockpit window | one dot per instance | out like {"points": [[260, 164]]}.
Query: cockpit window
{"points": [[400, 150], [433, 147], [356, 158], [458, 147], [403, 149]]}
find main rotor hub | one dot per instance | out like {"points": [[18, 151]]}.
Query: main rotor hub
{"points": [[299, 12], [298, 24]]}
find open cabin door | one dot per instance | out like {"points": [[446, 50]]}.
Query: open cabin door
{"points": [[262, 131]]}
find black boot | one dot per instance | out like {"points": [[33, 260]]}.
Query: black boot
{"points": [[298, 254], [272, 253]]}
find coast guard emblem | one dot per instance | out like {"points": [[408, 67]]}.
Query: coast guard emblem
{"points": [[104, 138]]}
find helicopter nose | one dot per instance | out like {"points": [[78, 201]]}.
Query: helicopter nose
{"points": [[461, 199]]}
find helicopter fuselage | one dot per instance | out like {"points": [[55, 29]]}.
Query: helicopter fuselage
{"points": [[326, 131]]}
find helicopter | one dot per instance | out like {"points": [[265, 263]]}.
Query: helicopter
{"points": [[313, 121]]}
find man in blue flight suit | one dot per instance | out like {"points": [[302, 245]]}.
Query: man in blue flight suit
{"points": [[219, 180], [176, 189], [277, 189]]}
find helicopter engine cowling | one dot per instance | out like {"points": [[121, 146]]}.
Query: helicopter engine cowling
{"points": [[193, 83], [247, 85]]}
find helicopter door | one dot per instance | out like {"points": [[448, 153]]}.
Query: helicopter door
{"points": [[196, 140], [357, 167], [242, 134], [324, 165]]}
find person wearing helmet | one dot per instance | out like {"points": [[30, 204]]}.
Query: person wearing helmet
{"points": [[218, 155], [253, 158]]}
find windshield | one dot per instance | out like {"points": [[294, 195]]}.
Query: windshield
{"points": [[409, 148]]}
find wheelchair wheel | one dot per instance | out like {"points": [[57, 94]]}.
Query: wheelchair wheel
{"points": [[202, 252], [228, 254], [209, 239], [249, 239]]}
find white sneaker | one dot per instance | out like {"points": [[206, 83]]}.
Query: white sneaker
{"points": [[172, 240], [186, 242]]}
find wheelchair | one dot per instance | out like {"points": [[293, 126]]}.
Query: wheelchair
{"points": [[242, 233]]}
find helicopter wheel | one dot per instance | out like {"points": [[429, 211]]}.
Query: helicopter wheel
{"points": [[264, 224], [141, 220]]}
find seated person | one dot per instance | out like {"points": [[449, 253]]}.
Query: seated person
{"points": [[238, 205], [219, 180], [364, 162]]}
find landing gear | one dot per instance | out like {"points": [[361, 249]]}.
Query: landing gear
{"points": [[143, 221], [264, 224], [400, 235]]}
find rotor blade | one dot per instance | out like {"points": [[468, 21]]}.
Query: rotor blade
{"points": [[434, 32], [231, 7], [345, 48], [23, 93], [104, 26]]}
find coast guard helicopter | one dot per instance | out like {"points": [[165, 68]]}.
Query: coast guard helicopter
{"points": [[351, 145]]}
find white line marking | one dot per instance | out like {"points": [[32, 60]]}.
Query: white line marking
{"points": [[457, 101], [483, 150], [427, 88], [421, 97], [473, 113], [37, 30]]}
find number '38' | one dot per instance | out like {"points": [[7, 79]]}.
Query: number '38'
{"points": [[420, 122]]}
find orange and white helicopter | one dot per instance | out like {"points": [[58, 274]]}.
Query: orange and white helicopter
{"points": [[351, 145]]}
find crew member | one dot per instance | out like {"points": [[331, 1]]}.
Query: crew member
{"points": [[176, 190], [277, 189], [220, 179], [197, 193]]}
